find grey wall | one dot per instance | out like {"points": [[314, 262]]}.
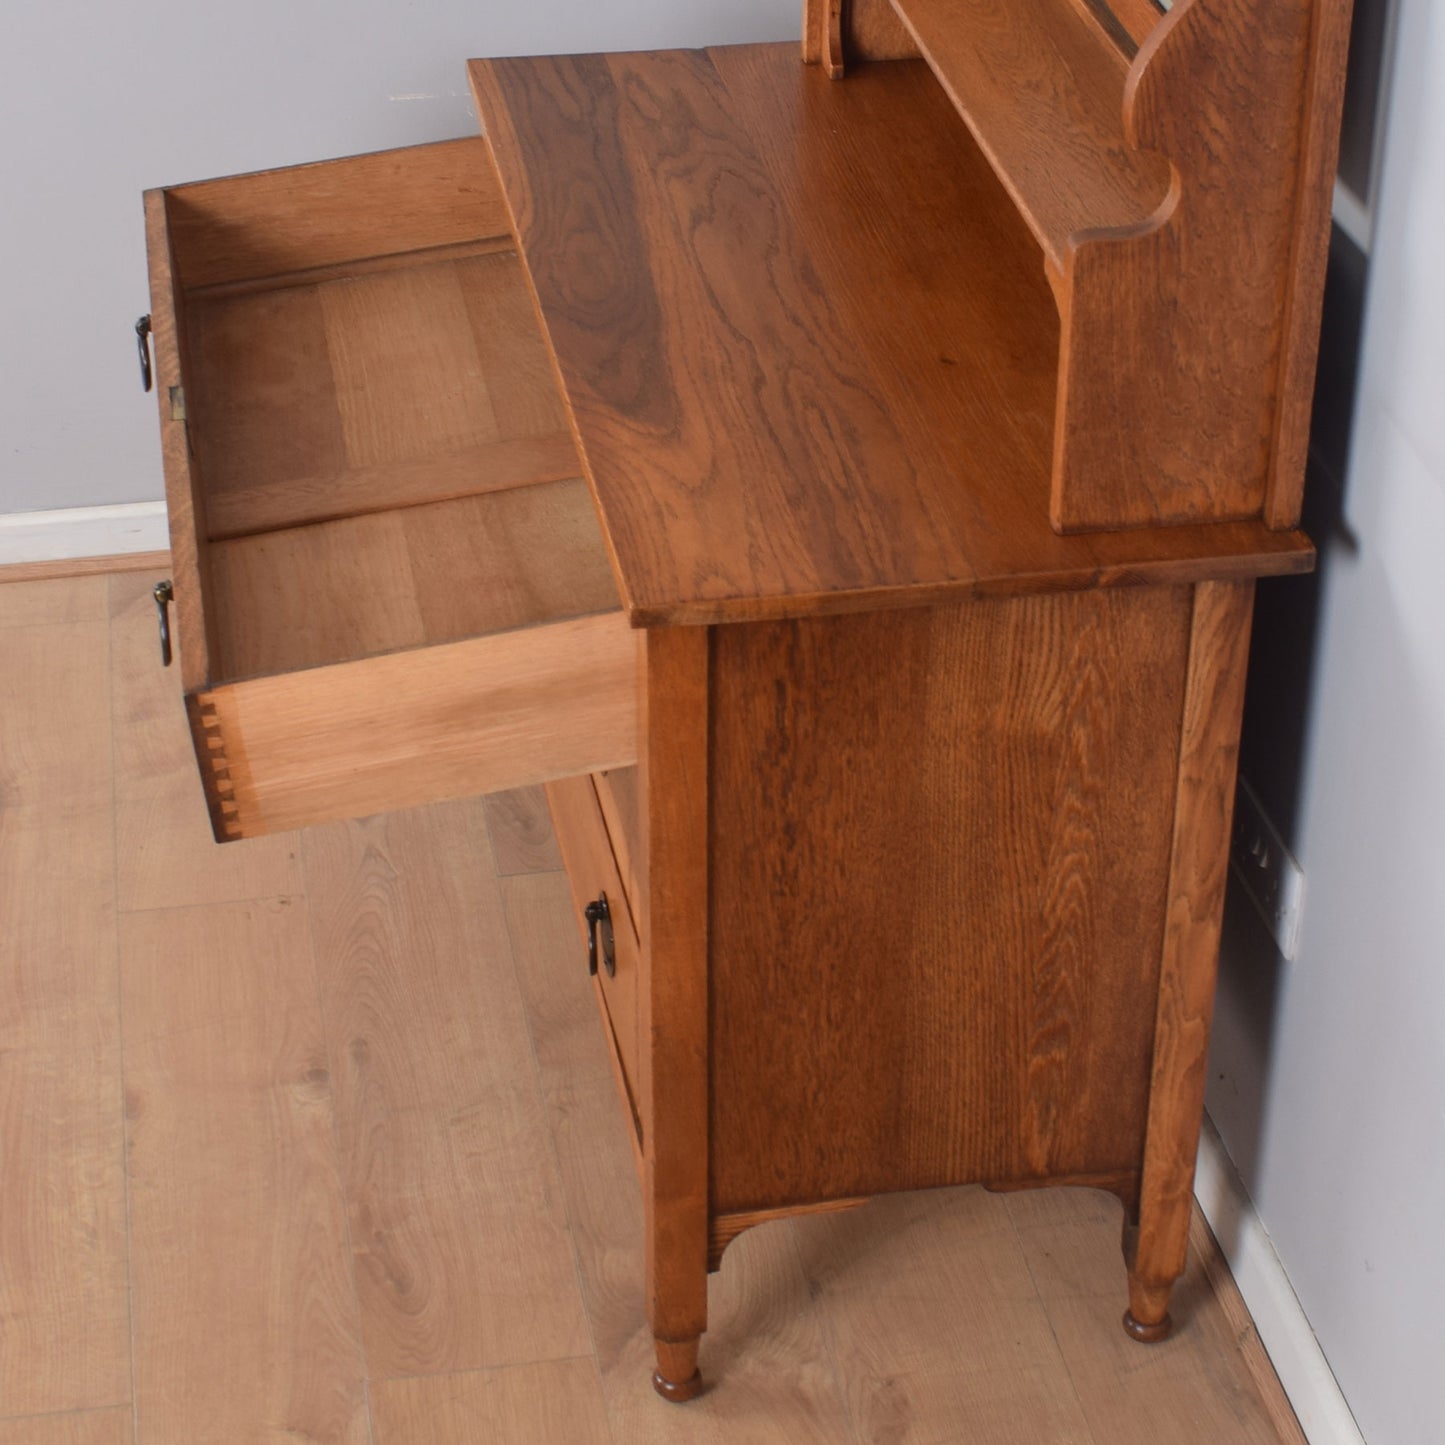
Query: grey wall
{"points": [[102, 100], [1329, 1072]]}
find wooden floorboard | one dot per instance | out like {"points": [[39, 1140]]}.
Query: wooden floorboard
{"points": [[317, 1138], [85, 1427], [463, 1256], [64, 1311]]}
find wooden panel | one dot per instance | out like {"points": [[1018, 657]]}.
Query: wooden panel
{"points": [[809, 377], [260, 396], [406, 385], [674, 1020], [457, 1225], [592, 871], [1169, 393], [1198, 868], [851, 30], [390, 732], [618, 794], [309, 596], [84, 566], [273, 222], [185, 499], [232, 1161], [972, 998], [1042, 89], [554, 1400], [1137, 17], [1319, 153], [359, 586], [497, 466], [408, 378], [520, 381]]}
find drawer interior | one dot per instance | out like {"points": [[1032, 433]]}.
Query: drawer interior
{"points": [[391, 583], [378, 456]]}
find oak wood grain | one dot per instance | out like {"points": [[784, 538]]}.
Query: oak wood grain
{"points": [[57, 980], [467, 718], [593, 873], [972, 998], [87, 1427], [185, 492], [270, 223], [412, 384], [361, 586], [621, 803], [41, 601], [865, 30], [519, 829], [1170, 363], [805, 376], [553, 1400], [1329, 40], [935, 1316], [1198, 868], [232, 1162], [675, 1021], [63, 1258], [1041, 88], [270, 506], [461, 1246], [67, 567]]}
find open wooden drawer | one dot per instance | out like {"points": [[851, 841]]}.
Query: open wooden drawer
{"points": [[390, 582]]}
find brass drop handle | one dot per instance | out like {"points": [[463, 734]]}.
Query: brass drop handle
{"points": [[142, 340], [164, 595], [599, 919]]}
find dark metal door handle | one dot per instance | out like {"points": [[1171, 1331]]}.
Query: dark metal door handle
{"points": [[164, 595], [142, 340], [599, 920]]}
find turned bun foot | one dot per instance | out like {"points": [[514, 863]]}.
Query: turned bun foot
{"points": [[1147, 1334], [689, 1389], [676, 1377]]}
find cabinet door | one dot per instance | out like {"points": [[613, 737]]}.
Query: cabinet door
{"points": [[592, 869]]}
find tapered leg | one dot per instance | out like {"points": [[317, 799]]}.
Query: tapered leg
{"points": [[1147, 1318], [677, 1377], [1199, 862]]}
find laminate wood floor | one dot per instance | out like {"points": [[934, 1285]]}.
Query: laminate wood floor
{"points": [[315, 1138]]}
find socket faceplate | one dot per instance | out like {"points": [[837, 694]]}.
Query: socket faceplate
{"points": [[1267, 870]]}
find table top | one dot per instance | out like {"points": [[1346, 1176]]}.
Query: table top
{"points": [[807, 342]]}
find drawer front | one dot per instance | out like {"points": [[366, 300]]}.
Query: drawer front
{"points": [[391, 584], [592, 871]]}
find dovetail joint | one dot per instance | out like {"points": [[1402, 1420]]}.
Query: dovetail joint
{"points": [[221, 787]]}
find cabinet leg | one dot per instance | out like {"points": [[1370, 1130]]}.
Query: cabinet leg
{"points": [[1147, 1318], [677, 1377]]}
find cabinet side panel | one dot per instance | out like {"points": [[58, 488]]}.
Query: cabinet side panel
{"points": [[1169, 399], [939, 844]]}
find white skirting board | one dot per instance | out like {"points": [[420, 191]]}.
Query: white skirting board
{"points": [[1278, 1316], [83, 532]]}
